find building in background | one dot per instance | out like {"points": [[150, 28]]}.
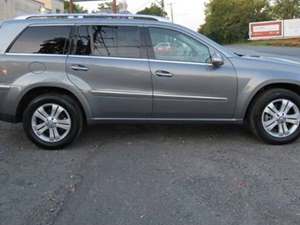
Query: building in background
{"points": [[12, 8], [54, 6]]}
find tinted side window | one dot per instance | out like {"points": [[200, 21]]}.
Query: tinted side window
{"points": [[83, 44], [110, 41], [42, 40], [174, 46]]}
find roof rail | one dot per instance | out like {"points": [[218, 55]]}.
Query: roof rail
{"points": [[92, 15]]}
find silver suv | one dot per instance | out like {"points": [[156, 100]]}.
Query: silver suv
{"points": [[60, 72]]}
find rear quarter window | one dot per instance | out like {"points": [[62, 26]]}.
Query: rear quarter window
{"points": [[42, 40]]}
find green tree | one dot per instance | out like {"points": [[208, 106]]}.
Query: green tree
{"points": [[154, 9], [227, 21], [76, 8], [286, 9]]}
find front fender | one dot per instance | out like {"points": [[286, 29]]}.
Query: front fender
{"points": [[254, 74], [252, 89]]}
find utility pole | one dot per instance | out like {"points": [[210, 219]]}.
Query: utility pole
{"points": [[163, 4], [114, 6], [172, 12], [71, 6]]}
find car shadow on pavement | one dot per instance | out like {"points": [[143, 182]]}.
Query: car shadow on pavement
{"points": [[159, 133], [13, 136]]}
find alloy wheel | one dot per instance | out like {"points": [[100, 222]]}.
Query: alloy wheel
{"points": [[281, 118], [51, 123]]}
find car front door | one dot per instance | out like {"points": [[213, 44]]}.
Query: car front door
{"points": [[185, 84], [110, 65]]}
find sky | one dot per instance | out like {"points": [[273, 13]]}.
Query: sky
{"points": [[189, 13]]}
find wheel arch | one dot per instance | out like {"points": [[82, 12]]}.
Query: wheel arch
{"points": [[288, 86], [31, 93]]}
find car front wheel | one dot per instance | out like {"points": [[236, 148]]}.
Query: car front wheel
{"points": [[52, 121], [275, 116]]}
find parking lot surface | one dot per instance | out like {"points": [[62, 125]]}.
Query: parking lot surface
{"points": [[150, 175]]}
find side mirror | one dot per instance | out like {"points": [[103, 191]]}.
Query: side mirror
{"points": [[217, 60]]}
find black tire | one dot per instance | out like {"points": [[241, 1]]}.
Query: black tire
{"points": [[256, 112], [70, 105]]}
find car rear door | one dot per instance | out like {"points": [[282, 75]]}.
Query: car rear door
{"points": [[185, 84], [110, 65]]}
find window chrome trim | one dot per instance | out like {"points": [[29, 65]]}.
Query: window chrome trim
{"points": [[181, 62], [140, 59], [106, 57], [34, 54], [51, 24]]}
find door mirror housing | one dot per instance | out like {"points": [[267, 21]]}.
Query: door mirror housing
{"points": [[217, 60]]}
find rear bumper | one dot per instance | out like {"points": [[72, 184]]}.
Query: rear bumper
{"points": [[8, 97]]}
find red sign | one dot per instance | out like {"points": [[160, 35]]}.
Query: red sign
{"points": [[265, 30]]}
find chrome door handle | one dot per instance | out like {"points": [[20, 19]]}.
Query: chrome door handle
{"points": [[79, 68], [162, 73]]}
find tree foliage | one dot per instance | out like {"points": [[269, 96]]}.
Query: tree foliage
{"points": [[228, 21], [154, 9], [76, 8], [286, 9]]}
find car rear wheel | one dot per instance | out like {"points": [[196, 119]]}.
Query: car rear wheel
{"points": [[53, 121], [275, 116]]}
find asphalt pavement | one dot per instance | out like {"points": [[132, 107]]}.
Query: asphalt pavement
{"points": [[150, 175]]}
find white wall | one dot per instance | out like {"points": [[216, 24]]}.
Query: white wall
{"points": [[291, 28], [23, 7], [12, 8], [6, 9], [57, 5]]}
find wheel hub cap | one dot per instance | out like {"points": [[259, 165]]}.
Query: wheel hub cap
{"points": [[51, 123], [281, 118]]}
